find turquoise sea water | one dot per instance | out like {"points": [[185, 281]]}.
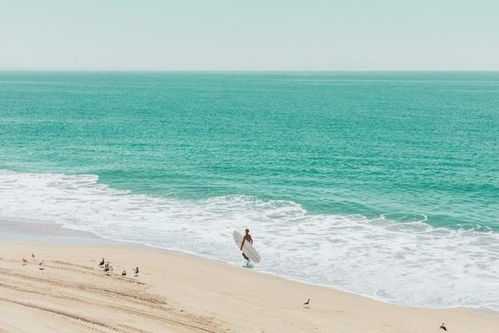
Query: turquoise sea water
{"points": [[183, 158], [404, 144]]}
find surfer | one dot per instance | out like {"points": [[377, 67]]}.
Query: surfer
{"points": [[247, 237]]}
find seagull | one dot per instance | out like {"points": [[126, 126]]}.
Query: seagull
{"points": [[136, 271], [124, 273], [442, 327], [25, 261], [106, 267], [41, 265], [101, 262], [307, 302]]}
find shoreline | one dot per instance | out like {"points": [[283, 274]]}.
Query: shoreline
{"points": [[197, 286], [60, 235], [410, 263]]}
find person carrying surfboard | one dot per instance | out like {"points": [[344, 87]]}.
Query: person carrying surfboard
{"points": [[247, 238]]}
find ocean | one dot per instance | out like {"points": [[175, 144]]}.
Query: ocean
{"points": [[384, 184]]}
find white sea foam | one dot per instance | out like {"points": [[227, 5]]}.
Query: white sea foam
{"points": [[409, 263]]}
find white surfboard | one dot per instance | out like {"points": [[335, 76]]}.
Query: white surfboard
{"points": [[248, 249]]}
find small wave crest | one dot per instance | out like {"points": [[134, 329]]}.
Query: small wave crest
{"points": [[407, 262]]}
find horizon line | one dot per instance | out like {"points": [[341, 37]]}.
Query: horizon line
{"points": [[236, 70]]}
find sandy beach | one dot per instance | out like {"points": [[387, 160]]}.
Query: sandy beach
{"points": [[181, 293]]}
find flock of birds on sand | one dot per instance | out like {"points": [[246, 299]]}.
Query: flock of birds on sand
{"points": [[105, 265], [40, 264]]}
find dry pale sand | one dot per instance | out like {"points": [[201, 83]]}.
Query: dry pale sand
{"points": [[179, 293]]}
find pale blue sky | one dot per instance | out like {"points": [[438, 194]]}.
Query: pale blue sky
{"points": [[250, 34]]}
